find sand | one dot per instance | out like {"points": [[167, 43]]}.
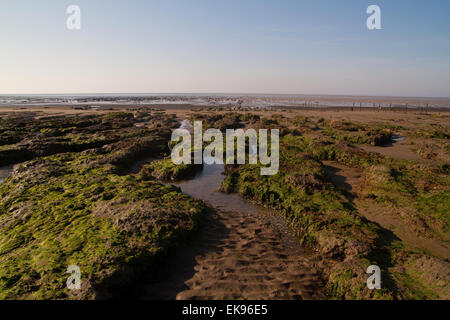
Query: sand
{"points": [[238, 256]]}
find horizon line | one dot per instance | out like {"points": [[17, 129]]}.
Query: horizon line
{"points": [[223, 94]]}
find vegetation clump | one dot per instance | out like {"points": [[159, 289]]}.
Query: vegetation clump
{"points": [[166, 170]]}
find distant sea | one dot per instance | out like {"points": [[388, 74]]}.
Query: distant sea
{"points": [[211, 99]]}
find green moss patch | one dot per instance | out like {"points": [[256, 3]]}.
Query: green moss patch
{"points": [[79, 209]]}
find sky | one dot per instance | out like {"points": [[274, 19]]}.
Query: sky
{"points": [[233, 46]]}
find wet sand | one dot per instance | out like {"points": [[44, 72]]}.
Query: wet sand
{"points": [[237, 256], [243, 252]]}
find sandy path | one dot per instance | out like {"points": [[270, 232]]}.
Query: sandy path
{"points": [[239, 256]]}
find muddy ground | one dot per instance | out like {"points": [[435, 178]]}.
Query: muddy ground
{"points": [[349, 193]]}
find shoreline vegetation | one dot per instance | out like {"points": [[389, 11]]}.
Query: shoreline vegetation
{"points": [[73, 201]]}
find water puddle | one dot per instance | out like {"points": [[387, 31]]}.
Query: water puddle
{"points": [[205, 186], [397, 138], [5, 172]]}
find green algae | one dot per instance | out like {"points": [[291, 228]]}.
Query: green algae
{"points": [[79, 209]]}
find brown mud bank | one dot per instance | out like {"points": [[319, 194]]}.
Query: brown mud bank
{"points": [[429, 257], [350, 180]]}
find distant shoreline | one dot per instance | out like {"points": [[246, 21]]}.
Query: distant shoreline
{"points": [[86, 109], [221, 94], [218, 100]]}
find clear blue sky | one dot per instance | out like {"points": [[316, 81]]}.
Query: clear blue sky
{"points": [[245, 46]]}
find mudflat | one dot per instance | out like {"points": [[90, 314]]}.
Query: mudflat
{"points": [[96, 188]]}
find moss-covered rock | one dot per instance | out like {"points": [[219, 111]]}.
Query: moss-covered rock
{"points": [[166, 170], [79, 209]]}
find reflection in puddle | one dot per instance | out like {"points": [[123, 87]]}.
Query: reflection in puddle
{"points": [[397, 138], [205, 186], [5, 172]]}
